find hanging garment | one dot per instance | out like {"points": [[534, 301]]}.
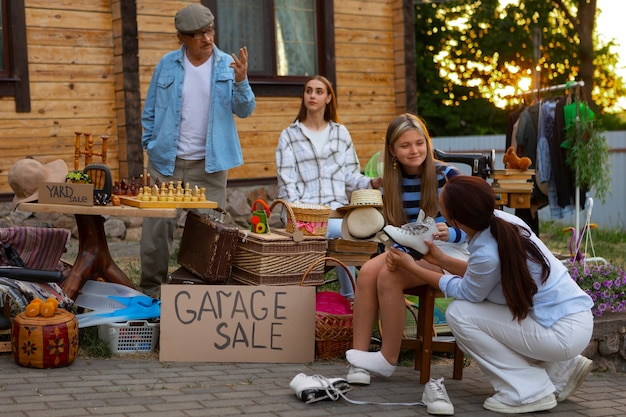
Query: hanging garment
{"points": [[545, 172]]}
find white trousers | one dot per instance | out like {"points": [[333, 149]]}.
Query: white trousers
{"points": [[523, 361]]}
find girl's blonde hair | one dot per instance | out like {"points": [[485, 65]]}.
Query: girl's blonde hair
{"points": [[393, 207]]}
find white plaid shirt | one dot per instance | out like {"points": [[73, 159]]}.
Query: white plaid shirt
{"points": [[307, 177]]}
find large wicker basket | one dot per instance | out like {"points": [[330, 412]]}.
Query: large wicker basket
{"points": [[276, 258], [310, 219], [333, 318]]}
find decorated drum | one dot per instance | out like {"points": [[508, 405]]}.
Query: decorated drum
{"points": [[45, 342]]}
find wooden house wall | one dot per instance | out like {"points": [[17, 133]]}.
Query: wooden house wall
{"points": [[77, 82], [367, 68], [71, 85]]}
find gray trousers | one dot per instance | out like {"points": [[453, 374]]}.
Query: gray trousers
{"points": [[157, 234]]}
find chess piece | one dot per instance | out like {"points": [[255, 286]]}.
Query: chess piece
{"points": [[163, 192], [187, 195], [194, 195]]}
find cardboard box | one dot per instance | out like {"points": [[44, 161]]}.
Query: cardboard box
{"points": [[66, 193], [237, 323]]}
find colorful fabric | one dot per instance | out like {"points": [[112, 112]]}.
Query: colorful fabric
{"points": [[39, 248]]}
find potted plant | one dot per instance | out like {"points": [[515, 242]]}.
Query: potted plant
{"points": [[605, 284], [588, 152], [78, 177]]}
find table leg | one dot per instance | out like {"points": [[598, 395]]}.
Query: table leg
{"points": [[94, 259]]}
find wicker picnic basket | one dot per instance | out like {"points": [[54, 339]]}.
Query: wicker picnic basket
{"points": [[310, 219], [333, 318], [279, 257], [276, 258]]}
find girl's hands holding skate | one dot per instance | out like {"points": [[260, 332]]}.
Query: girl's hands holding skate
{"points": [[398, 259], [442, 232]]}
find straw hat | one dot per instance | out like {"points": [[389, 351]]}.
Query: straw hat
{"points": [[364, 198], [26, 175]]}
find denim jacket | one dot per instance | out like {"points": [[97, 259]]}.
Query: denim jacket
{"points": [[162, 113]]}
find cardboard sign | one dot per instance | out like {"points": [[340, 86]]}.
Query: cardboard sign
{"points": [[66, 193], [237, 323]]}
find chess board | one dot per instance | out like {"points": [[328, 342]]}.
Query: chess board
{"points": [[136, 202]]}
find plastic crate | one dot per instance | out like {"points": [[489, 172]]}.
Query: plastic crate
{"points": [[130, 337]]}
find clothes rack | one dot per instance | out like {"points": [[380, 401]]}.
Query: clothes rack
{"points": [[567, 86], [559, 87]]}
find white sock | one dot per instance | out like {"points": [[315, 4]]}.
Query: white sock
{"points": [[373, 362]]}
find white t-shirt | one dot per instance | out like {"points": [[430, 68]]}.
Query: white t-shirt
{"points": [[195, 112], [318, 137]]}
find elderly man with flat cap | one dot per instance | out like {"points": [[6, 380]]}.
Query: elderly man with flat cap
{"points": [[189, 130]]}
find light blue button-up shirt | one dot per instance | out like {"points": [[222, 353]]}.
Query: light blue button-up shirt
{"points": [[162, 113], [558, 297]]}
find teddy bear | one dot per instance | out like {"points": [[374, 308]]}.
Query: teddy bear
{"points": [[512, 161]]}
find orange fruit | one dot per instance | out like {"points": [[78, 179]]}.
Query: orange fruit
{"points": [[32, 309], [47, 309], [37, 301], [54, 301]]}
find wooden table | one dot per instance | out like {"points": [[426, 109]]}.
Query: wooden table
{"points": [[94, 260]]}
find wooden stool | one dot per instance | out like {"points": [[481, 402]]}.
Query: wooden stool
{"points": [[45, 342], [424, 343]]}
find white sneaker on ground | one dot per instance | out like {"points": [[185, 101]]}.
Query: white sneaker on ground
{"points": [[436, 398], [543, 404], [358, 376], [581, 370], [315, 388], [412, 235]]}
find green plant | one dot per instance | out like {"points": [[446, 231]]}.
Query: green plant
{"points": [[605, 284], [588, 154], [78, 176], [91, 345]]}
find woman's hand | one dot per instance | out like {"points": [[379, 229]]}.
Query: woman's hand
{"points": [[376, 182], [435, 255]]}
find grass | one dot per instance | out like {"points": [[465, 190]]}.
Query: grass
{"points": [[605, 243]]}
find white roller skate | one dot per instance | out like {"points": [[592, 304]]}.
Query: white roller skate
{"points": [[411, 236], [315, 388]]}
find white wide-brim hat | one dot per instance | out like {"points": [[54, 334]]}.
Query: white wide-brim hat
{"points": [[362, 223]]}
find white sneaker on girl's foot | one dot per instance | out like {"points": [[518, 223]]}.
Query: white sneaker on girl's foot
{"points": [[358, 376], [435, 398]]}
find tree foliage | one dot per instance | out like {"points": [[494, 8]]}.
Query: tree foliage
{"points": [[475, 59]]}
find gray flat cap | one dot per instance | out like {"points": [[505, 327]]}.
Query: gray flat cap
{"points": [[192, 18]]}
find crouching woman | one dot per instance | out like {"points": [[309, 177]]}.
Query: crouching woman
{"points": [[516, 310]]}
